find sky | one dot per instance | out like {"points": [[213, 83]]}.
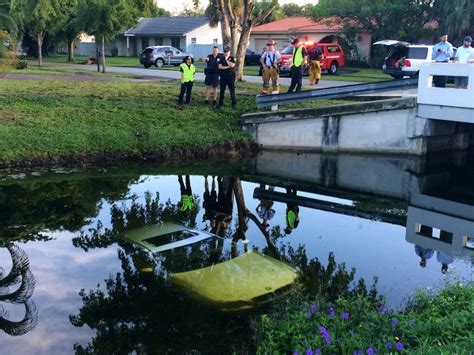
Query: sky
{"points": [[175, 6]]}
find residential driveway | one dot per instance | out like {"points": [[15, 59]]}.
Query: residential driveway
{"points": [[173, 74]]}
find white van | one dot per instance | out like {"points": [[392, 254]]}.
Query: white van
{"points": [[404, 59]]}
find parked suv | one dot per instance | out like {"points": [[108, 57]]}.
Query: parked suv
{"points": [[333, 57], [404, 59], [161, 55]]}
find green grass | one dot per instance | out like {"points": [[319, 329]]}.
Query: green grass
{"points": [[346, 74], [56, 118], [65, 70], [431, 324]]}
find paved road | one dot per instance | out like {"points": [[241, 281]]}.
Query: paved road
{"points": [[172, 74]]}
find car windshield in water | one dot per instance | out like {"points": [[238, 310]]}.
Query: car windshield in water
{"points": [[172, 237], [417, 52]]}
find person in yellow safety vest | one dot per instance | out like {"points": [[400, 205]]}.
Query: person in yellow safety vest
{"points": [[270, 60], [187, 200], [187, 70], [296, 70], [315, 55], [292, 214]]}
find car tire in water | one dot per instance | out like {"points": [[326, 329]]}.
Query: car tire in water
{"points": [[159, 63], [333, 68]]}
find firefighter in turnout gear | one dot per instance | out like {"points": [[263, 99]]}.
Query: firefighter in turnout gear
{"points": [[269, 61]]}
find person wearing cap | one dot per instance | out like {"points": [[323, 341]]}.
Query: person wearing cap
{"points": [[212, 75], [270, 60], [296, 70], [441, 53], [464, 54], [187, 70], [227, 77]]}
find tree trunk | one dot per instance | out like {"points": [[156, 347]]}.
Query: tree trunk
{"points": [[97, 56], [241, 50], [70, 50], [241, 209], [103, 55], [39, 39]]}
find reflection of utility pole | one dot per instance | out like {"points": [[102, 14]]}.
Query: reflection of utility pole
{"points": [[241, 209]]}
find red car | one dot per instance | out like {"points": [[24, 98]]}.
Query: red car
{"points": [[333, 57]]}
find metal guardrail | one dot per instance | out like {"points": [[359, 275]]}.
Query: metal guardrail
{"points": [[336, 92]]}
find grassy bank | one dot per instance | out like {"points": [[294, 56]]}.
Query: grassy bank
{"points": [[431, 324], [74, 120]]}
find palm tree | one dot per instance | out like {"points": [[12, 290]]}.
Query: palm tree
{"points": [[457, 18]]}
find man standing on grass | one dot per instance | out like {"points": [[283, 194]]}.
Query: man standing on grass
{"points": [[227, 77], [299, 60], [442, 52], [269, 61], [464, 54], [212, 75]]}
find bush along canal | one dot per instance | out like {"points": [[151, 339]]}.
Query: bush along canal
{"points": [[308, 253]]}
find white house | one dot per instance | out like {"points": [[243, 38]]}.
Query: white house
{"points": [[190, 34]]}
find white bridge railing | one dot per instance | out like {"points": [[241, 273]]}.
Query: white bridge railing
{"points": [[449, 103]]}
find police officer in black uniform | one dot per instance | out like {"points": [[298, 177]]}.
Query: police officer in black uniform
{"points": [[212, 75], [227, 77]]}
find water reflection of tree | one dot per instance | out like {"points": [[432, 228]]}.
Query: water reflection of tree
{"points": [[30, 207], [142, 312], [22, 281]]}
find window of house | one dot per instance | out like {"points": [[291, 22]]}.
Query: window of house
{"points": [[175, 42], [193, 40], [215, 41], [158, 41], [145, 42]]}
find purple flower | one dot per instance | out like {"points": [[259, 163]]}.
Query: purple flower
{"points": [[345, 315], [394, 322], [310, 314], [411, 322], [309, 351], [400, 346], [358, 352], [331, 312], [384, 309], [388, 345], [370, 351], [325, 335], [314, 308], [317, 351], [295, 353]]}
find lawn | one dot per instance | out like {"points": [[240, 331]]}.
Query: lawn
{"points": [[56, 119], [345, 74]]}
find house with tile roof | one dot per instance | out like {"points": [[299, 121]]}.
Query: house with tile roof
{"points": [[328, 30], [191, 34]]}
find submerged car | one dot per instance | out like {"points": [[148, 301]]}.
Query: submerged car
{"points": [[214, 269], [161, 55]]}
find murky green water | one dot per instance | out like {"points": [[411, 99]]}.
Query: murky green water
{"points": [[70, 281]]}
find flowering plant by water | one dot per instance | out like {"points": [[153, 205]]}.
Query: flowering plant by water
{"points": [[441, 322]]}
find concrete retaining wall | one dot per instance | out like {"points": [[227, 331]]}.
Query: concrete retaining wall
{"points": [[383, 126]]}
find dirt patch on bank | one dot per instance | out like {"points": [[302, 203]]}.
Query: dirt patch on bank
{"points": [[219, 153]]}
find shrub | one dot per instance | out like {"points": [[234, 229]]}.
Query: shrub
{"points": [[21, 64], [430, 324]]}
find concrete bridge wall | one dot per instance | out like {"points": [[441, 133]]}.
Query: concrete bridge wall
{"points": [[384, 126]]}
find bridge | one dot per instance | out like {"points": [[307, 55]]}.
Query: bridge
{"points": [[436, 119]]}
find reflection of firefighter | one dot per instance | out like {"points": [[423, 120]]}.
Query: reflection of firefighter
{"points": [[264, 209], [187, 201], [292, 214], [269, 61], [225, 205]]}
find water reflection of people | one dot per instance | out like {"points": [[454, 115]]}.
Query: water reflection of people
{"points": [[187, 201], [264, 209], [292, 213], [424, 254], [210, 202], [225, 205], [445, 260]]}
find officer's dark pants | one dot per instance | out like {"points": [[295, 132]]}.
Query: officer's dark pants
{"points": [[296, 79], [229, 81], [439, 81], [185, 87]]}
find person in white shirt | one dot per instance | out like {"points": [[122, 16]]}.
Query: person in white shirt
{"points": [[442, 52], [464, 54], [270, 60]]}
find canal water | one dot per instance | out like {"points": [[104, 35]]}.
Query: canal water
{"points": [[73, 279]]}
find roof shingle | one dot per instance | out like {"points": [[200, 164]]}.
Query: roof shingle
{"points": [[171, 26]]}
